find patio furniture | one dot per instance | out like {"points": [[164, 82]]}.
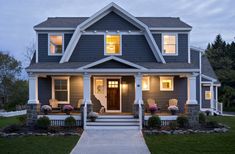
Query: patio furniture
{"points": [[173, 108], [54, 103], [80, 101], [173, 102]]}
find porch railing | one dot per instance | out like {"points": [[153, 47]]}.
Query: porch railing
{"points": [[140, 115], [84, 115], [220, 107]]}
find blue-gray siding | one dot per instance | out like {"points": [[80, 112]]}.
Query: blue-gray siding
{"points": [[162, 97], [43, 48], [91, 48], [112, 22], [113, 64], [182, 48], [76, 89], [128, 93], [44, 90], [205, 103]]}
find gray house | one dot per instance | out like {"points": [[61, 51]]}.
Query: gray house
{"points": [[118, 65]]}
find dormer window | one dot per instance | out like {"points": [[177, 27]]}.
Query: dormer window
{"points": [[55, 44], [112, 44], [169, 44]]}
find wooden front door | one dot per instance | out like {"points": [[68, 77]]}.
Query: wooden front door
{"points": [[113, 94]]}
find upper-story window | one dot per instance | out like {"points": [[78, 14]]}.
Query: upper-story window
{"points": [[169, 44], [56, 46], [113, 44]]}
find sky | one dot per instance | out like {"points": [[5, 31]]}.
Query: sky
{"points": [[208, 17]]}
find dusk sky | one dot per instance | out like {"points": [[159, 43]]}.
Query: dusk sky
{"points": [[208, 17]]}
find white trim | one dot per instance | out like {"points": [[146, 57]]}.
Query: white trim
{"points": [[120, 45], [112, 33], [192, 89], [148, 80], [208, 78], [54, 28], [171, 28], [36, 47], [167, 78], [170, 118], [138, 89], [53, 78], [189, 51], [33, 89], [100, 14], [176, 44], [55, 34], [112, 58], [200, 80]]}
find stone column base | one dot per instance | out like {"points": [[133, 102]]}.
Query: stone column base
{"points": [[192, 112], [136, 111], [89, 109], [32, 114]]}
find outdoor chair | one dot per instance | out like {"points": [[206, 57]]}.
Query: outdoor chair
{"points": [[54, 103]]}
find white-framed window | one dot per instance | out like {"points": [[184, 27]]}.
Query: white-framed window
{"points": [[99, 86], [55, 44], [170, 44], [146, 83], [166, 83], [60, 89], [208, 95], [113, 44]]}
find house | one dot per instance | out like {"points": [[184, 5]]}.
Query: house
{"points": [[116, 61]]}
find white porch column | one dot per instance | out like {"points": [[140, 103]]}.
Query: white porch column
{"points": [[33, 89], [192, 89], [87, 88], [138, 89], [212, 95]]}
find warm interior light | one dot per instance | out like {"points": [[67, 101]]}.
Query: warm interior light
{"points": [[112, 44]]}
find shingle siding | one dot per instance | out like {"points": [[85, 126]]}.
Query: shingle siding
{"points": [[112, 22]]}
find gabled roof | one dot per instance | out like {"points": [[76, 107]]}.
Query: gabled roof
{"points": [[152, 22], [112, 7]]}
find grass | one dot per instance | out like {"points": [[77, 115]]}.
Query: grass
{"points": [[8, 121], [38, 145], [195, 143]]}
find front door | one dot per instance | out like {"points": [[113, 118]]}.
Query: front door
{"points": [[113, 94]]}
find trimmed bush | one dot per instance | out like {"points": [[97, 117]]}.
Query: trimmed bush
{"points": [[182, 121], [22, 119], [202, 118], [212, 124], [154, 122], [173, 125], [12, 128], [70, 121], [43, 122]]}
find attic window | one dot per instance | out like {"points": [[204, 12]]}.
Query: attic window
{"points": [[112, 45], [169, 44], [55, 44]]}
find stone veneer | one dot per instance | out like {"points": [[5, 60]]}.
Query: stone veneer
{"points": [[89, 109], [32, 113], [192, 112]]}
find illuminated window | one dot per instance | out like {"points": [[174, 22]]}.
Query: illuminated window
{"points": [[55, 44], [99, 86], [166, 83], [113, 84], [61, 89], [113, 44], [169, 44], [145, 83], [207, 95]]}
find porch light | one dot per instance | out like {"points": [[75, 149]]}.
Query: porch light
{"points": [[124, 85]]}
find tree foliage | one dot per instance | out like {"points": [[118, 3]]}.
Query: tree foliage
{"points": [[222, 58]]}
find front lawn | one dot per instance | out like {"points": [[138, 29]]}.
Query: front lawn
{"points": [[38, 145], [195, 143], [8, 121]]}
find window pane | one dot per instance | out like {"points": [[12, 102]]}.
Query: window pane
{"points": [[56, 42], [60, 84], [145, 83], [207, 95], [169, 44], [112, 44], [169, 49], [61, 95]]}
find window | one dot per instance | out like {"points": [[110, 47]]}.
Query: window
{"points": [[112, 45], [99, 86], [145, 83], [55, 44], [169, 44], [207, 95], [166, 83], [113, 84], [61, 89]]}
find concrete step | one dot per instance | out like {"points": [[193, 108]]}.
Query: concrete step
{"points": [[115, 120], [112, 124], [113, 127]]}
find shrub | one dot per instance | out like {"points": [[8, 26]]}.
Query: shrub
{"points": [[70, 121], [182, 121], [202, 118], [154, 122], [12, 128], [22, 119], [173, 125], [43, 122], [212, 124]]}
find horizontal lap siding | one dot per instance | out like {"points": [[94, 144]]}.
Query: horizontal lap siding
{"points": [[113, 22], [76, 89], [128, 93], [205, 103], [182, 48], [162, 97], [44, 90], [43, 48]]}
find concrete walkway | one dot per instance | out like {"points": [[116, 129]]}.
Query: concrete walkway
{"points": [[111, 142]]}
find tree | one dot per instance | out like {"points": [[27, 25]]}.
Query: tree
{"points": [[9, 69], [30, 50]]}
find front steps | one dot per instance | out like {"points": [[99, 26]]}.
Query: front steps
{"points": [[114, 122]]}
